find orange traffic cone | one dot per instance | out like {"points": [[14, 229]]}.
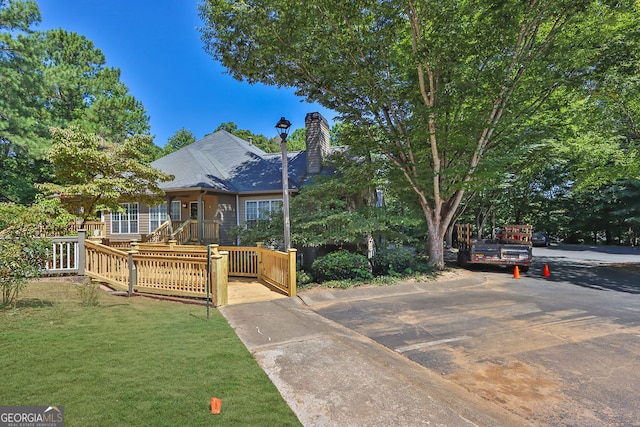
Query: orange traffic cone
{"points": [[516, 272], [546, 272], [216, 405]]}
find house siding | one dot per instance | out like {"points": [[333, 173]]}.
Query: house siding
{"points": [[227, 217]]}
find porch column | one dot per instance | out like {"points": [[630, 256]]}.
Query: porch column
{"points": [[200, 220], [169, 201]]}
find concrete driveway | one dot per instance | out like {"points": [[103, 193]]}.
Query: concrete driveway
{"points": [[562, 350]]}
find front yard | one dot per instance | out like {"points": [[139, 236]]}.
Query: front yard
{"points": [[130, 361]]}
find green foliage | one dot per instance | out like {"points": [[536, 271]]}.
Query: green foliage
{"points": [[19, 174], [54, 78], [82, 91], [296, 141], [23, 117], [89, 294], [394, 262], [452, 83], [260, 141], [303, 278], [47, 217], [18, 14], [21, 259], [269, 231], [180, 139], [94, 174], [341, 265]]}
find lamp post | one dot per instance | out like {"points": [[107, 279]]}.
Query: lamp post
{"points": [[282, 127]]}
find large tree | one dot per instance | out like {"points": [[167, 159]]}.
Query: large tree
{"points": [[82, 90], [94, 174], [53, 78], [21, 80], [433, 86]]}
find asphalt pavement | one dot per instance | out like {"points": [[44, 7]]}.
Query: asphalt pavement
{"points": [[482, 348], [331, 375]]}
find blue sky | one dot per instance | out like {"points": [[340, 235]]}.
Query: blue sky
{"points": [[156, 45]]}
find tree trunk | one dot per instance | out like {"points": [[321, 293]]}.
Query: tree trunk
{"points": [[435, 242], [435, 237]]}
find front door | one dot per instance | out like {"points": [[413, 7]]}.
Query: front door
{"points": [[193, 210]]}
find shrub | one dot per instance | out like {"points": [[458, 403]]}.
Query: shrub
{"points": [[341, 265], [303, 278], [21, 259], [89, 294], [393, 261]]}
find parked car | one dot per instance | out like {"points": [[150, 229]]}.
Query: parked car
{"points": [[539, 238]]}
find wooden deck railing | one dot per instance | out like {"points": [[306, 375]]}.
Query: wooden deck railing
{"points": [[279, 269], [107, 264], [93, 228], [183, 233], [169, 249], [243, 260], [274, 267], [160, 234], [173, 269], [190, 274], [171, 275]]}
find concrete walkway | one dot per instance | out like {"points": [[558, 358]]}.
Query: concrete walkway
{"points": [[331, 376]]}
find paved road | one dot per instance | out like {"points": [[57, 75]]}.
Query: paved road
{"points": [[561, 350]]}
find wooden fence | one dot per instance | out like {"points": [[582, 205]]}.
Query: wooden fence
{"points": [[172, 269]]}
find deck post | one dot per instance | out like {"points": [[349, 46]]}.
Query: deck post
{"points": [[259, 261], [218, 281], [292, 272], [80, 254], [133, 272]]}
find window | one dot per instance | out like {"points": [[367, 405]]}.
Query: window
{"points": [[261, 209], [157, 216], [176, 210], [127, 222]]}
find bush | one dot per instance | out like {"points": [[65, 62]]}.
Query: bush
{"points": [[341, 265], [89, 294], [21, 259], [303, 278], [393, 261]]}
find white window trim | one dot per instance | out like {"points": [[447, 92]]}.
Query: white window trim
{"points": [[129, 221], [258, 201]]}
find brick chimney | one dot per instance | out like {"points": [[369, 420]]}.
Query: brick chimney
{"points": [[317, 141]]}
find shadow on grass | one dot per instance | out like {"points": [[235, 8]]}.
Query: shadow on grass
{"points": [[33, 303]]}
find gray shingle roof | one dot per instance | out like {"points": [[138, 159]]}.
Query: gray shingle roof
{"points": [[224, 162]]}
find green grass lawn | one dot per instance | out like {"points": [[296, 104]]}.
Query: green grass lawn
{"points": [[130, 361]]}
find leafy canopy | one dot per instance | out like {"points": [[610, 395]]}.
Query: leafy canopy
{"points": [[432, 86], [93, 174]]}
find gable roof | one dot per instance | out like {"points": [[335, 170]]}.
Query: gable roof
{"points": [[223, 162]]}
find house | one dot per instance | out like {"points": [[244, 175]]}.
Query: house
{"points": [[220, 181]]}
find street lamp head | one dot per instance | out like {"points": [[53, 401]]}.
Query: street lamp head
{"points": [[282, 127]]}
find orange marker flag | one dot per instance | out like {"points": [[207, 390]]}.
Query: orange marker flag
{"points": [[216, 405]]}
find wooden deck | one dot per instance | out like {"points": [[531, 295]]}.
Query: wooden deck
{"points": [[244, 290]]}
